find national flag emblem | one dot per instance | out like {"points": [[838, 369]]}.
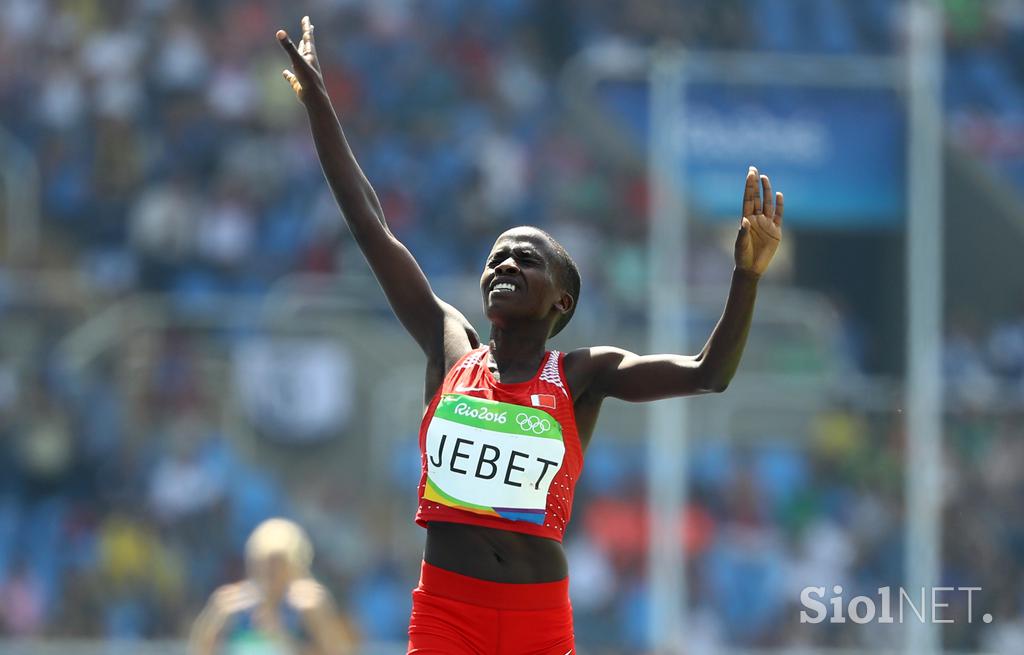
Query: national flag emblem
{"points": [[543, 400]]}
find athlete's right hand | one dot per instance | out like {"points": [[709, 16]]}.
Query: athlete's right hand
{"points": [[307, 75]]}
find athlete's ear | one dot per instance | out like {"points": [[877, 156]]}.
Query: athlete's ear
{"points": [[564, 303]]}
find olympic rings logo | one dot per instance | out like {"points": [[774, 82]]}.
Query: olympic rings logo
{"points": [[534, 424]]}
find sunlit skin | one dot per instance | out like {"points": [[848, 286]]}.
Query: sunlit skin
{"points": [[522, 320]]}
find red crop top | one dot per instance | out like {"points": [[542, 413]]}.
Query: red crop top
{"points": [[498, 455]]}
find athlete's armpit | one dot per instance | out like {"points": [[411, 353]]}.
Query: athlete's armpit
{"points": [[458, 337]]}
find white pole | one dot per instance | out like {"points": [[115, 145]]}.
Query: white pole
{"points": [[924, 318], [666, 470]]}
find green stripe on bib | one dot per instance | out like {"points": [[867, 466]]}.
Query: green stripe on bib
{"points": [[497, 416]]}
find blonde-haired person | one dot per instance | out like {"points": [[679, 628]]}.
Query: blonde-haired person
{"points": [[279, 609]]}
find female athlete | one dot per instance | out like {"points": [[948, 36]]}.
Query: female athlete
{"points": [[507, 421]]}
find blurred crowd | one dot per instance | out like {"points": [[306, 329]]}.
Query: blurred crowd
{"points": [[175, 159], [984, 368], [120, 501], [125, 500], [768, 519]]}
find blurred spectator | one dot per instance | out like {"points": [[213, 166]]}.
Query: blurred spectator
{"points": [[185, 482], [22, 603], [278, 606], [161, 225]]}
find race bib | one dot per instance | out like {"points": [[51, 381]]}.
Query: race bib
{"points": [[492, 458]]}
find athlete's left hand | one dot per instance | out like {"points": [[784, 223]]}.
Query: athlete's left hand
{"points": [[761, 224]]}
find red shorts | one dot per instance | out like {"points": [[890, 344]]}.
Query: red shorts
{"points": [[454, 614]]}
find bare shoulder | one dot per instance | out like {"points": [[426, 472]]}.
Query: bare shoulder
{"points": [[584, 366], [593, 358], [591, 354]]}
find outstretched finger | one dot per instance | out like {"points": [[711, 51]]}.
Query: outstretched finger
{"points": [[750, 192], [304, 41], [766, 193], [293, 81], [289, 47], [307, 36], [778, 208], [757, 189]]}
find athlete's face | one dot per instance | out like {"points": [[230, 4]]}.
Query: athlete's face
{"points": [[272, 574], [520, 279]]}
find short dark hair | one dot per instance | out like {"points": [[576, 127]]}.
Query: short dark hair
{"points": [[569, 277]]}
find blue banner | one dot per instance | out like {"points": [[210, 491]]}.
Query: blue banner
{"points": [[838, 154]]}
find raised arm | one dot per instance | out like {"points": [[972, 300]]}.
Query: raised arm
{"points": [[617, 373], [207, 630], [205, 634], [328, 633], [422, 314]]}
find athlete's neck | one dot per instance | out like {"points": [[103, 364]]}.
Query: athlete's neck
{"points": [[517, 355]]}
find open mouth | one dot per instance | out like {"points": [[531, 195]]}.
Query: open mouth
{"points": [[504, 286]]}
